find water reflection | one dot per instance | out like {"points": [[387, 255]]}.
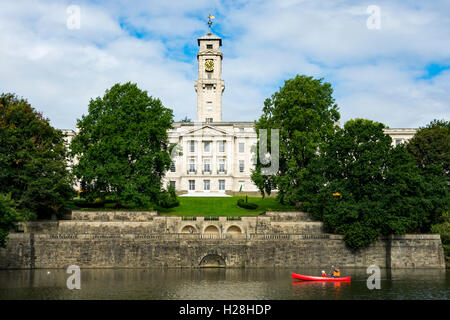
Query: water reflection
{"points": [[220, 283], [320, 290]]}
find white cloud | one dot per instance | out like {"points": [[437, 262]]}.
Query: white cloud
{"points": [[375, 73]]}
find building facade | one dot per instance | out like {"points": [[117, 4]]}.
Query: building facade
{"points": [[214, 157]]}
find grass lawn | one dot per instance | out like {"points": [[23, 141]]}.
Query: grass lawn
{"points": [[222, 206]]}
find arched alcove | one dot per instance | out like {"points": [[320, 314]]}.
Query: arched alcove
{"points": [[188, 229], [234, 230], [211, 230]]}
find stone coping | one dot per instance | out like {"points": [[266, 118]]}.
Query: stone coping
{"points": [[176, 236], [187, 236], [289, 216], [153, 213], [112, 215], [79, 215]]}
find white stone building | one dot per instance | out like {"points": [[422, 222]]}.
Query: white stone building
{"points": [[215, 157]]}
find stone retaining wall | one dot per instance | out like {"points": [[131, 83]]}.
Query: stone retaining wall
{"points": [[186, 250], [134, 240]]}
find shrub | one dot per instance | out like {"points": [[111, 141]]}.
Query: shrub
{"points": [[8, 217], [443, 229], [83, 203], [168, 199], [246, 205], [112, 205]]}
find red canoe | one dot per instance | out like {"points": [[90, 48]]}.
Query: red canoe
{"points": [[311, 278]]}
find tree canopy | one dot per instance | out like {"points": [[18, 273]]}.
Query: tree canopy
{"points": [[305, 113], [33, 159], [352, 178], [366, 188], [430, 146], [122, 147]]}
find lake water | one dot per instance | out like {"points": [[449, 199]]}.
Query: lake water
{"points": [[206, 284]]}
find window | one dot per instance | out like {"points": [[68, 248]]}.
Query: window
{"points": [[207, 146], [206, 185], [172, 167], [209, 75], [209, 120], [207, 165], [209, 87], [398, 141], [172, 184], [221, 165], [192, 146], [191, 165], [191, 184], [221, 146], [209, 46], [241, 165], [221, 185], [209, 105], [241, 146], [241, 129]]}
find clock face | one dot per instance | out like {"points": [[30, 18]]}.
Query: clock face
{"points": [[209, 65]]}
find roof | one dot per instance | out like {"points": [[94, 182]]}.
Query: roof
{"points": [[210, 36]]}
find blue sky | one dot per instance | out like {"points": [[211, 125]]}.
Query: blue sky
{"points": [[398, 74]]}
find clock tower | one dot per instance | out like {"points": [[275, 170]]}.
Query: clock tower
{"points": [[209, 86]]}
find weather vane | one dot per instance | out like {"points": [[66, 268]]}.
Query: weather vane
{"points": [[210, 17]]}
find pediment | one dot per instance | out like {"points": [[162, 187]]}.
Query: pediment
{"points": [[207, 130]]}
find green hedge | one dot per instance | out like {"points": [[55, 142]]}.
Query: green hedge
{"points": [[246, 205]]}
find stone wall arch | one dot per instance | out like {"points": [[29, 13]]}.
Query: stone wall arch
{"points": [[211, 229], [187, 229], [212, 260], [234, 230]]}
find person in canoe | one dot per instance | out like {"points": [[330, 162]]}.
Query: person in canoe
{"points": [[336, 273], [324, 275]]}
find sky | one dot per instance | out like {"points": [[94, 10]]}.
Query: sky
{"points": [[388, 61]]}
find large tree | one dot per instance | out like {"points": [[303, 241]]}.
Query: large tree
{"points": [[33, 159], [431, 146], [367, 188], [122, 147], [305, 113]]}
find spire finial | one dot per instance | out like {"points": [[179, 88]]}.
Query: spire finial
{"points": [[210, 18]]}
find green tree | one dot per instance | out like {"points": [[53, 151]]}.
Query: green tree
{"points": [[8, 217], [369, 188], [33, 159], [305, 113], [431, 146], [122, 147]]}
